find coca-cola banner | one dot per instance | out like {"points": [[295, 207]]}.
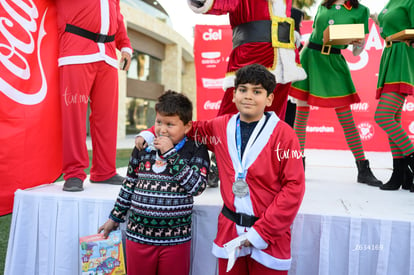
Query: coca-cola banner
{"points": [[212, 47], [30, 133], [323, 130]]}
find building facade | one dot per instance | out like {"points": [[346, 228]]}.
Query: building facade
{"points": [[162, 60]]}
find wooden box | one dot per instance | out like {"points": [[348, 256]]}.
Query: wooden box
{"points": [[407, 34], [343, 34]]}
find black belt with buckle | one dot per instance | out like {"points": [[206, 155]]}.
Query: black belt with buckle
{"points": [[324, 49], [254, 31], [97, 37], [239, 218]]}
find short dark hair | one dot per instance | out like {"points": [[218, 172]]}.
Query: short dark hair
{"points": [[171, 103], [256, 74]]}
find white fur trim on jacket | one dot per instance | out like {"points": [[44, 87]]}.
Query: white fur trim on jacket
{"points": [[279, 8], [287, 70], [204, 9]]}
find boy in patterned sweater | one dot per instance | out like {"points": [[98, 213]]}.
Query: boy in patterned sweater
{"points": [[158, 191]]}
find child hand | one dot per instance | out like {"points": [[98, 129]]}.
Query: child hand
{"points": [[163, 144], [107, 227], [140, 143]]}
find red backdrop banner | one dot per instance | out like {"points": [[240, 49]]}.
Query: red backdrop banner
{"points": [[30, 133], [323, 130], [212, 47]]}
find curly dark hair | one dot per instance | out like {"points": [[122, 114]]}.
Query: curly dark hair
{"points": [[329, 3], [256, 74], [171, 103]]}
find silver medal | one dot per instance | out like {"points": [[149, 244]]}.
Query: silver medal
{"points": [[240, 188]]}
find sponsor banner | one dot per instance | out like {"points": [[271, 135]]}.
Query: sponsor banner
{"points": [[323, 130], [30, 133], [212, 47]]}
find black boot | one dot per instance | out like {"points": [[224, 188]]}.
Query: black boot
{"points": [[408, 177], [365, 174], [410, 163], [398, 175], [303, 160]]}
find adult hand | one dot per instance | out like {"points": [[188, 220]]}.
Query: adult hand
{"points": [[358, 46], [374, 16], [410, 43], [107, 227], [163, 144], [140, 143], [125, 61]]}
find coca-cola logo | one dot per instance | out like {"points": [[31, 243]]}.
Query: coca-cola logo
{"points": [[210, 105], [18, 28]]}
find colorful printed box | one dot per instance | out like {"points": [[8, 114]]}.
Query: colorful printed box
{"points": [[101, 256]]}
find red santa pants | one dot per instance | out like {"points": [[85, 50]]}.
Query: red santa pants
{"points": [[278, 105], [143, 259], [95, 83], [245, 266]]}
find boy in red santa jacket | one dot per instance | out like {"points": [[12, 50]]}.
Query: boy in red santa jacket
{"points": [[262, 181]]}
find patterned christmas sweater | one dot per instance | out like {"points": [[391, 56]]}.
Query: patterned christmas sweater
{"points": [[158, 193]]}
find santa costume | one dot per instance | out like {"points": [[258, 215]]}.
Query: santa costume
{"points": [[263, 33], [90, 31]]}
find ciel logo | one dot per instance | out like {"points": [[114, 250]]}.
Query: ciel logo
{"points": [[366, 131], [212, 35]]}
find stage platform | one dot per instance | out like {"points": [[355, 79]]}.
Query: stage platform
{"points": [[343, 227]]}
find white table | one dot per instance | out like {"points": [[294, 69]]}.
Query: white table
{"points": [[342, 227]]}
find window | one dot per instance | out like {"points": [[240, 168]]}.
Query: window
{"points": [[144, 67], [140, 115]]}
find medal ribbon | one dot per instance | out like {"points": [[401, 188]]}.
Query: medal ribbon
{"points": [[176, 147], [241, 174]]}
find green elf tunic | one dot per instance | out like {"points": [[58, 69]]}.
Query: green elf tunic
{"points": [[329, 82], [396, 73]]}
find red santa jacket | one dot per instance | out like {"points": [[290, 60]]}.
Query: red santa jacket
{"points": [[97, 16], [276, 180], [279, 58]]}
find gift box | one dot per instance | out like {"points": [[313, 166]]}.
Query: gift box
{"points": [[407, 34], [102, 256], [343, 34]]}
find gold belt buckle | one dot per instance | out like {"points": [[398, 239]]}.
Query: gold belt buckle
{"points": [[326, 49], [388, 43]]}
